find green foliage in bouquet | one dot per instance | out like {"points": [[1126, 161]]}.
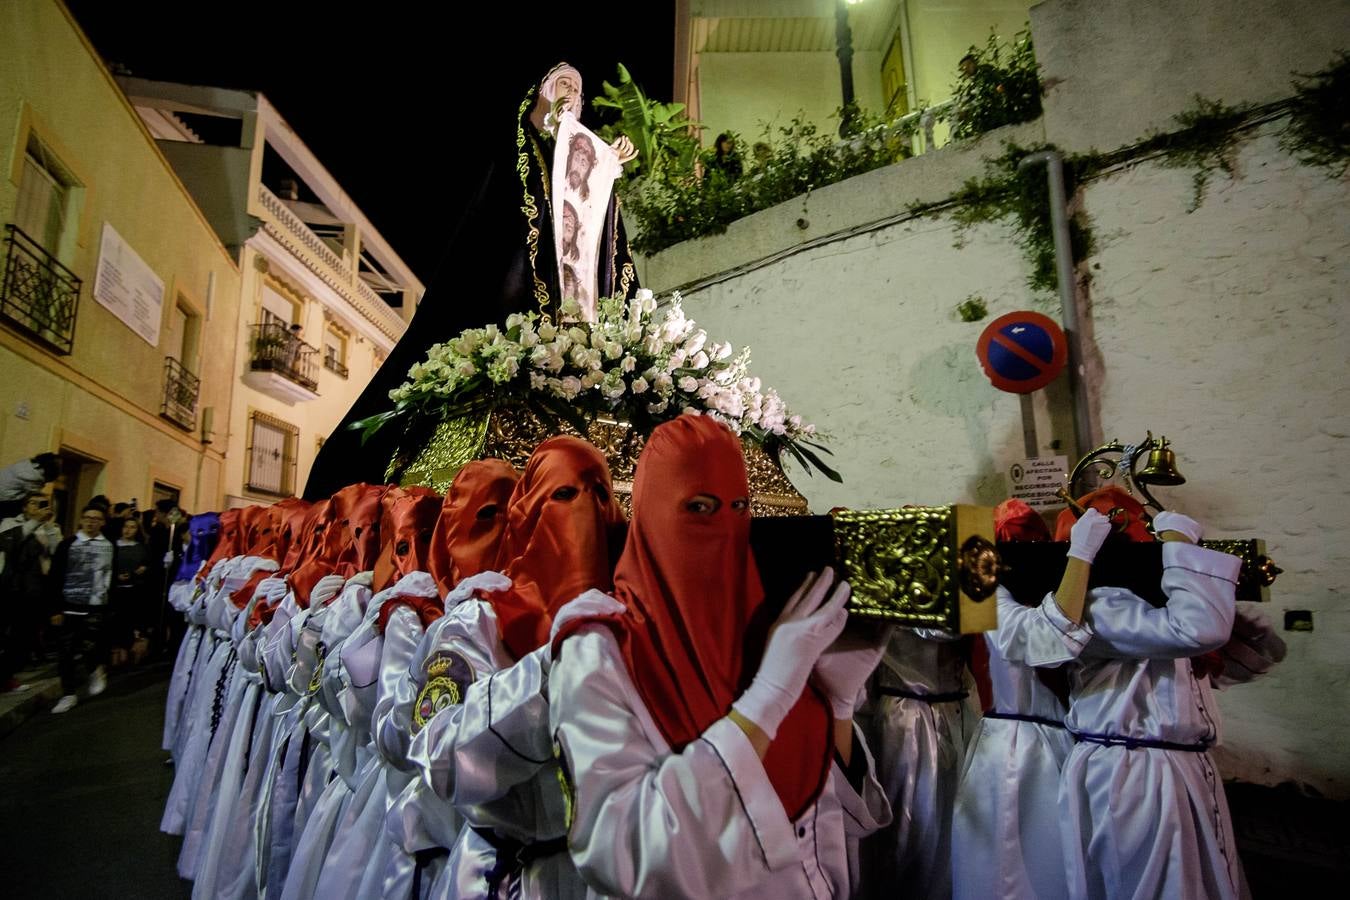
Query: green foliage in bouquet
{"points": [[640, 362], [998, 85]]}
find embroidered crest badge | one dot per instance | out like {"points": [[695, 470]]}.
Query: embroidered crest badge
{"points": [[447, 675]]}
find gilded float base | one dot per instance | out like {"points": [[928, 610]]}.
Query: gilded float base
{"points": [[512, 435]]}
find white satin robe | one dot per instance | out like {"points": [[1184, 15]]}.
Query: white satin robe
{"points": [[489, 756], [210, 677], [343, 757], [223, 615], [921, 748], [704, 822], [232, 774], [182, 596], [1005, 827], [1147, 822], [298, 760], [361, 851]]}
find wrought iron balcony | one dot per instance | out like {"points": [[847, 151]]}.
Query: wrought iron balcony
{"points": [[180, 395], [276, 349], [38, 295], [335, 365]]}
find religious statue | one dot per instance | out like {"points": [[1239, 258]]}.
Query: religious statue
{"points": [[515, 249]]}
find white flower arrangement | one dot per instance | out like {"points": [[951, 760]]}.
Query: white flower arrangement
{"points": [[640, 361]]}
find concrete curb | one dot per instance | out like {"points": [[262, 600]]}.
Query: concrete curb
{"points": [[17, 707]]}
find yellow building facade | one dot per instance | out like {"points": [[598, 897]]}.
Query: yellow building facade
{"points": [[323, 297], [116, 293]]}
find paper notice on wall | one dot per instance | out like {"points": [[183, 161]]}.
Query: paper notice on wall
{"points": [[127, 287], [584, 169], [1035, 481]]}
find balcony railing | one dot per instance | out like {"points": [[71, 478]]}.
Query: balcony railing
{"points": [[276, 349], [284, 225], [335, 365], [180, 395], [38, 295]]}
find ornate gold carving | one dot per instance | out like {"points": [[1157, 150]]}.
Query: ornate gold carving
{"points": [[513, 434], [922, 566]]}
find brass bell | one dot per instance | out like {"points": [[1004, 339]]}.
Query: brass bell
{"points": [[1162, 466]]}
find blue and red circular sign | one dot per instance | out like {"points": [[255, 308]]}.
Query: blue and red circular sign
{"points": [[1022, 352]]}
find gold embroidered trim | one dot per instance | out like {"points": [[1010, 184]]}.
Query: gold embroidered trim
{"points": [[531, 206]]}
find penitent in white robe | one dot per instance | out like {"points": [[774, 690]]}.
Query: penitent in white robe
{"points": [[924, 716], [1005, 829], [360, 851], [491, 755], [1143, 821], [704, 822]]}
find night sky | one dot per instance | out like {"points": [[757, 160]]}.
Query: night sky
{"points": [[373, 91]]}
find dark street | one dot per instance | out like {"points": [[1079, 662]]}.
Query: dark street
{"points": [[81, 796]]}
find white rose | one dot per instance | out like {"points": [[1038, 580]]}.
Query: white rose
{"points": [[592, 378], [629, 364], [700, 361], [639, 385], [538, 381], [528, 339], [696, 341], [664, 383], [548, 331], [689, 384], [571, 386]]}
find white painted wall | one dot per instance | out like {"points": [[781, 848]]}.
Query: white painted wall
{"points": [[1114, 71], [1228, 329]]}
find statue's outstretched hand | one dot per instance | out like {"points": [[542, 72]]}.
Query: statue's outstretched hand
{"points": [[624, 148]]}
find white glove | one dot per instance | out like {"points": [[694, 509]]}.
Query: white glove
{"points": [[1174, 521], [810, 622], [846, 665], [325, 589], [1088, 534]]}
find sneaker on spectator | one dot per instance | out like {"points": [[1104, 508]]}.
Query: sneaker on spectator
{"points": [[15, 686], [65, 704], [98, 682]]}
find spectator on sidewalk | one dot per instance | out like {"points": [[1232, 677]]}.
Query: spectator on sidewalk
{"points": [[25, 477], [27, 542], [130, 618], [81, 577]]}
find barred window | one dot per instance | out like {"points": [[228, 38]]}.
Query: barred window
{"points": [[271, 455]]}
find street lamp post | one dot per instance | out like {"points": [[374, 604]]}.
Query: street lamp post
{"points": [[843, 38]]}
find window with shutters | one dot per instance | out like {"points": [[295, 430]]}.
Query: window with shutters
{"points": [[271, 455]]}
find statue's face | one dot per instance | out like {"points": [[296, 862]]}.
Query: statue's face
{"points": [[565, 89]]}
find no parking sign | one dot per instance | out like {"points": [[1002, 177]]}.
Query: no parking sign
{"points": [[1022, 351]]}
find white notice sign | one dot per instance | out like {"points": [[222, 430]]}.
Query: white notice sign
{"points": [[1034, 481], [128, 287]]}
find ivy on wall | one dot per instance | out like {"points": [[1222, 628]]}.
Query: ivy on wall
{"points": [[1319, 118], [1206, 139]]}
